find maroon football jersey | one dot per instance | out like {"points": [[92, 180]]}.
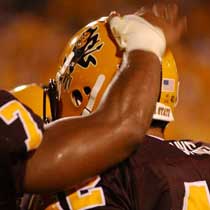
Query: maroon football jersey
{"points": [[20, 132], [160, 175]]}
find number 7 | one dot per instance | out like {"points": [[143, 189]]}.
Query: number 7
{"points": [[13, 110]]}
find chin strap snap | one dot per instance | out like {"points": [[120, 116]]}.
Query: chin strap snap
{"points": [[52, 93]]}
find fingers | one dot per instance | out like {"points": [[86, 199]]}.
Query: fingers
{"points": [[142, 11], [172, 12], [168, 12], [160, 10], [175, 34], [181, 26], [113, 14]]}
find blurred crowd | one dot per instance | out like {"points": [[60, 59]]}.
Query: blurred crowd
{"points": [[33, 34]]}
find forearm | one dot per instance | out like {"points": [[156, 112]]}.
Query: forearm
{"points": [[76, 149]]}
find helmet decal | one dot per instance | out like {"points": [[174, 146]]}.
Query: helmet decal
{"points": [[168, 85], [82, 54], [84, 47]]}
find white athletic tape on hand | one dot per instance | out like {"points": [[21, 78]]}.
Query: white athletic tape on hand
{"points": [[132, 32]]}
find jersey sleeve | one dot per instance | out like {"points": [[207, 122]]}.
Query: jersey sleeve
{"points": [[20, 127], [20, 132]]}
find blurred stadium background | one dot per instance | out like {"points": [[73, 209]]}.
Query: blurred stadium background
{"points": [[34, 33]]}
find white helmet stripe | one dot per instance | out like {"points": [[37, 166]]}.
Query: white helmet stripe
{"points": [[94, 92]]}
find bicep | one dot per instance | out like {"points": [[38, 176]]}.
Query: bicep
{"points": [[75, 150]]}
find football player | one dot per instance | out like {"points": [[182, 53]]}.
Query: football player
{"points": [[160, 174], [92, 143]]}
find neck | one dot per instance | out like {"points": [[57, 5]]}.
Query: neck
{"points": [[156, 132]]}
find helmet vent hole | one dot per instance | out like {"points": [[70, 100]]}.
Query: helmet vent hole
{"points": [[87, 90], [77, 98]]}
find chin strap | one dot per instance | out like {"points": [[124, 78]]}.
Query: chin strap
{"points": [[52, 93]]}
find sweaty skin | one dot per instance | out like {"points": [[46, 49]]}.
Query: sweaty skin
{"points": [[102, 139], [75, 149]]}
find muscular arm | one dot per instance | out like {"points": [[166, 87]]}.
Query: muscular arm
{"points": [[75, 149]]}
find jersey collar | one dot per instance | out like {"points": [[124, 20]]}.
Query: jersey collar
{"points": [[156, 137]]}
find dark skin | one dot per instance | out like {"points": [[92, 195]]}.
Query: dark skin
{"points": [[78, 148], [121, 124]]}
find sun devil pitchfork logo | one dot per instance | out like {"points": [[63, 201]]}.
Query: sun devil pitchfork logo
{"points": [[83, 51], [85, 46]]}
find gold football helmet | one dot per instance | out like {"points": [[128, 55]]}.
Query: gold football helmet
{"points": [[43, 100], [32, 95], [169, 89], [88, 65], [86, 68]]}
